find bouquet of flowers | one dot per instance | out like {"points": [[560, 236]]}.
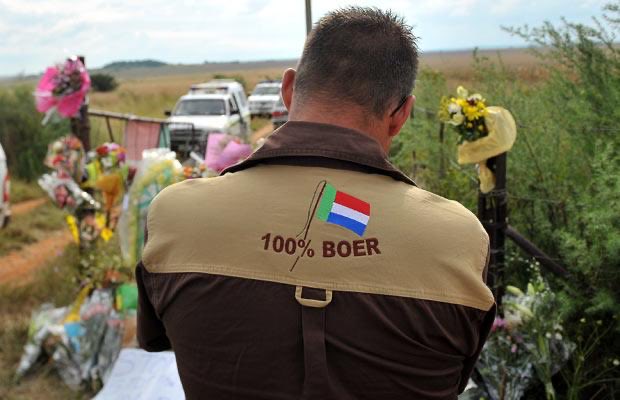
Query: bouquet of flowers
{"points": [[527, 343], [63, 88], [224, 150], [484, 132], [108, 174], [466, 112], [66, 156]]}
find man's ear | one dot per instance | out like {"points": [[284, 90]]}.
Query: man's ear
{"points": [[400, 117], [288, 82]]}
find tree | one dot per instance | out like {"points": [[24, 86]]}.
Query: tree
{"points": [[103, 82]]}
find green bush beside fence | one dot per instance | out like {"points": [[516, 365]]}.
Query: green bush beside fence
{"points": [[563, 180], [22, 135]]}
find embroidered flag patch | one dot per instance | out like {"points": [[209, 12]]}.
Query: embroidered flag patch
{"points": [[342, 209]]}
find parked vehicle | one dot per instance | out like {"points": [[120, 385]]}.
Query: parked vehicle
{"points": [[279, 114], [5, 190], [217, 106], [265, 95]]}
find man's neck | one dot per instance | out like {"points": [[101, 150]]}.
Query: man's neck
{"points": [[351, 119]]}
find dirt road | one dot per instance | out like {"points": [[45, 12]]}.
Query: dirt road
{"points": [[26, 206], [19, 266]]}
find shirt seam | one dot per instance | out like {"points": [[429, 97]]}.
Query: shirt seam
{"points": [[279, 278]]}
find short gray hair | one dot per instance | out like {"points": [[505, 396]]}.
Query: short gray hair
{"points": [[361, 55]]}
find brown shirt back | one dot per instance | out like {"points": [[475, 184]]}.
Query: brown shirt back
{"points": [[400, 311]]}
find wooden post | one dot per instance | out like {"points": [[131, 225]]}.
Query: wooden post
{"points": [[308, 16], [80, 125], [493, 213]]}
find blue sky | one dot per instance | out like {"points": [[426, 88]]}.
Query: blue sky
{"points": [[36, 33]]}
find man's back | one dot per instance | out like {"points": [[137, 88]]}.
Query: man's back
{"points": [[399, 311], [315, 269]]}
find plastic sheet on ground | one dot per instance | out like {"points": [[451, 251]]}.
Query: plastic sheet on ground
{"points": [[139, 375]]}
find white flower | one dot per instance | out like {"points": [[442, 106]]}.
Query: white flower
{"points": [[462, 92], [512, 319], [454, 108], [457, 119], [548, 335], [558, 336], [615, 362], [475, 97]]}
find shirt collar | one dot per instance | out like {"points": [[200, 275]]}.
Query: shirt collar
{"points": [[297, 139]]}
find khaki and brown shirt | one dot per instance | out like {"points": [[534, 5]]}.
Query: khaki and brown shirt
{"points": [[314, 270]]}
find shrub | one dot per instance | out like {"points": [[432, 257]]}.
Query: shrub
{"points": [[103, 82], [22, 135], [563, 179]]}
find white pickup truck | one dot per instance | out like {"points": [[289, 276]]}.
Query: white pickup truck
{"points": [[219, 106], [264, 97]]}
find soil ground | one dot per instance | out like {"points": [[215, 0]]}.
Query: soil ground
{"points": [[19, 266], [26, 206]]}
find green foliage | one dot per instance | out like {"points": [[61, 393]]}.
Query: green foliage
{"points": [[96, 262], [594, 230], [563, 177], [103, 82], [419, 150], [589, 367], [23, 191], [23, 137]]}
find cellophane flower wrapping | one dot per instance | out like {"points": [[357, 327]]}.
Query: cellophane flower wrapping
{"points": [[527, 344], [63, 87]]}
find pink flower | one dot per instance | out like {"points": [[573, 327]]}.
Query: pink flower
{"points": [[513, 348], [498, 323]]}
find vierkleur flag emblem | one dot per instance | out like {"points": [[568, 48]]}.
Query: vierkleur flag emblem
{"points": [[342, 209]]}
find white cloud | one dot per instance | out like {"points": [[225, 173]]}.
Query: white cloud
{"points": [[502, 7], [34, 33]]}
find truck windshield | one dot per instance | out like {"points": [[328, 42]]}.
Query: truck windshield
{"points": [[201, 107], [267, 90]]}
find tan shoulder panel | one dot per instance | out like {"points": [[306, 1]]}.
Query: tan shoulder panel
{"points": [[265, 223]]}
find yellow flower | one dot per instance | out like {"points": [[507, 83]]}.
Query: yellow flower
{"points": [[470, 125], [481, 128], [106, 234]]}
